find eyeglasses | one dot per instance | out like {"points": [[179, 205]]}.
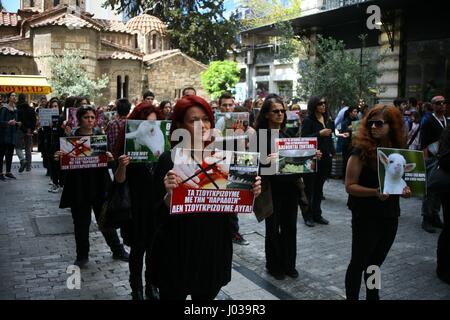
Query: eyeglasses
{"points": [[278, 111], [377, 123]]}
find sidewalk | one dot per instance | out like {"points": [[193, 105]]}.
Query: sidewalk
{"points": [[37, 245]]}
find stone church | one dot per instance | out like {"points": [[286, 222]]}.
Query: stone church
{"points": [[136, 56]]}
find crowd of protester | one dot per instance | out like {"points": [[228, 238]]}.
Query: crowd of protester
{"points": [[191, 255]]}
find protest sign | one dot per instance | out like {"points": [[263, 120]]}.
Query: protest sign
{"points": [[296, 155], [45, 116], [146, 140], [398, 168], [292, 119], [71, 116], [83, 152], [214, 181], [100, 118], [235, 123]]}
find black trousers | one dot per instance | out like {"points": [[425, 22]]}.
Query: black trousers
{"points": [[443, 247], [281, 234], [234, 224], [136, 265], [372, 239], [6, 151], [167, 295], [82, 220], [314, 188], [55, 173]]}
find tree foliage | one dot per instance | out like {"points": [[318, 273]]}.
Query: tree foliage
{"points": [[219, 77], [68, 77], [263, 12], [196, 27], [338, 74]]}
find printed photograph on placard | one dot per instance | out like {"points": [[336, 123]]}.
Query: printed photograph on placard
{"points": [[45, 116], [100, 118], [71, 116], [236, 121], [243, 170], [146, 140], [355, 127], [398, 168], [292, 119], [296, 155], [83, 152]]}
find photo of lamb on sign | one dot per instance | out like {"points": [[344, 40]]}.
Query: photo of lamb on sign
{"points": [[395, 167]]}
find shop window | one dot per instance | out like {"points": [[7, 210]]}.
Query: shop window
{"points": [[262, 71]]}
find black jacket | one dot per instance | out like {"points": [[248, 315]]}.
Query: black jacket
{"points": [[27, 116], [311, 127]]}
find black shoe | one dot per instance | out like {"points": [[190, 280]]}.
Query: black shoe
{"points": [[428, 227], [276, 275], [137, 295], [151, 292], [321, 220], [10, 175], [437, 223], [123, 256], [2, 177], [292, 273], [239, 239], [310, 223], [23, 164], [323, 198], [445, 277], [81, 262]]}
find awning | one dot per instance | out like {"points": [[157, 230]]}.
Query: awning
{"points": [[24, 84]]}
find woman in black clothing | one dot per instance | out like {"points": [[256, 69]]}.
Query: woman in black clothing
{"points": [[139, 177], [84, 191], [281, 225], [318, 124], [374, 215], [443, 248], [346, 129], [56, 131], [191, 253]]}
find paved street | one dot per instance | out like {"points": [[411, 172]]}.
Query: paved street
{"points": [[37, 246]]}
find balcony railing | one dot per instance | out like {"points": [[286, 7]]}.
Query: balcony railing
{"points": [[335, 4]]}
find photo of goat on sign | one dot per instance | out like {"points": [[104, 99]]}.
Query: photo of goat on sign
{"points": [[399, 169]]}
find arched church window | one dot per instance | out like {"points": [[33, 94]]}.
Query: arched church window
{"points": [[55, 3], [119, 87], [154, 42], [31, 3], [125, 86]]}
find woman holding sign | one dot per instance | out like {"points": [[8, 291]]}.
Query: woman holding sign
{"points": [[139, 177], [84, 191], [192, 252], [374, 215]]}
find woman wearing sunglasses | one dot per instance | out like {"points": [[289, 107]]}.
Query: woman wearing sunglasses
{"points": [[191, 253], [374, 215], [84, 191], [318, 125]]}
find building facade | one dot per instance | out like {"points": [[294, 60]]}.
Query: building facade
{"points": [[412, 36], [135, 56]]}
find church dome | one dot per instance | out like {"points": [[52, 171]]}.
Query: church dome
{"points": [[146, 23]]}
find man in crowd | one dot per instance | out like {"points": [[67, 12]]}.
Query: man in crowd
{"points": [[189, 91], [430, 135], [27, 116], [148, 97], [117, 126]]}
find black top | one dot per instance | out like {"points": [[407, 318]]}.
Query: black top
{"points": [[27, 116], [372, 207], [311, 127], [431, 131], [85, 187], [140, 183], [191, 253]]}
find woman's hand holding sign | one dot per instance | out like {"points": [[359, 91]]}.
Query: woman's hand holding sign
{"points": [[406, 192], [257, 186], [171, 181]]}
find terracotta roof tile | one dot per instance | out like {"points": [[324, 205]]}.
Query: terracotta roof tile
{"points": [[146, 23], [121, 48], [113, 26], [8, 19], [67, 19], [117, 55]]}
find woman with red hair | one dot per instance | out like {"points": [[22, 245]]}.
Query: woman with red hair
{"points": [[139, 177], [374, 215], [191, 253]]}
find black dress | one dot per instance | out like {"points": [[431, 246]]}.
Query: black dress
{"points": [[191, 253]]}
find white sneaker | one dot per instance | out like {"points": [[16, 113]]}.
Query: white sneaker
{"points": [[54, 189]]}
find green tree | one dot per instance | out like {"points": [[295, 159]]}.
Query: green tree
{"points": [[219, 77], [196, 27], [265, 12], [68, 77], [338, 74]]}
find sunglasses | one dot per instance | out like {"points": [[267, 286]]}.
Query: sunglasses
{"points": [[279, 111], [377, 123], [440, 103], [87, 107], [321, 103]]}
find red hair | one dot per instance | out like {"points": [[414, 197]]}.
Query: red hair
{"points": [[182, 106], [368, 145]]}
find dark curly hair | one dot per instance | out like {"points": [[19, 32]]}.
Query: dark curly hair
{"points": [[368, 145]]}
